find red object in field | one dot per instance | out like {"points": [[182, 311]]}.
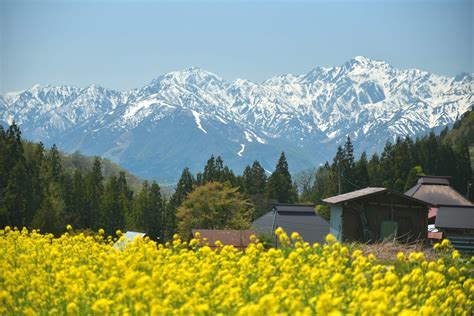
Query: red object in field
{"points": [[435, 235], [240, 239]]}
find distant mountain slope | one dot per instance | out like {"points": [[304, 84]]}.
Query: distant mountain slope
{"points": [[84, 164], [463, 129], [183, 117]]}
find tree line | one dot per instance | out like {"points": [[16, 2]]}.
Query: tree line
{"points": [[37, 191], [396, 168]]}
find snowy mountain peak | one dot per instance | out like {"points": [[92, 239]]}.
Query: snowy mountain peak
{"points": [[182, 117]]}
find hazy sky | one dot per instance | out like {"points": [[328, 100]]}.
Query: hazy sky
{"points": [[125, 44]]}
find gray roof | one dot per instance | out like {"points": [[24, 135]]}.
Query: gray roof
{"points": [[294, 207], [353, 195], [312, 227], [455, 217], [436, 190]]}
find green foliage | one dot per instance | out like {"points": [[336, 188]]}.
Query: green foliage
{"points": [[412, 177], [324, 211], [183, 188], [149, 212], [280, 187], [397, 167], [214, 205]]}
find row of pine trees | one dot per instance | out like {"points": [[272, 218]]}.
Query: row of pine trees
{"points": [[37, 191], [396, 168]]}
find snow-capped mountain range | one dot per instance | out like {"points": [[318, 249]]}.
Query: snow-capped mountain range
{"points": [[183, 117]]}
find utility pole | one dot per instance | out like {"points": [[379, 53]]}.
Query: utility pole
{"points": [[339, 176]]}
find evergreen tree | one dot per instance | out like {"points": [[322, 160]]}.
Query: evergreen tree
{"points": [[361, 172], [153, 214], [94, 189], [254, 182], [412, 177], [280, 187], [183, 188], [78, 203], [50, 216], [112, 215], [54, 164], [17, 196]]}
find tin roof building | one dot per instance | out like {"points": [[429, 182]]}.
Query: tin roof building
{"points": [[293, 218], [375, 214], [452, 214]]}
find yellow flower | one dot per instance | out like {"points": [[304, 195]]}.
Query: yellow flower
{"points": [[72, 308], [295, 235], [279, 231], [69, 227], [330, 238]]}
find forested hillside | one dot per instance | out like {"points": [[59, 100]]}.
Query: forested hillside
{"points": [[71, 162], [463, 130], [40, 188], [396, 167]]}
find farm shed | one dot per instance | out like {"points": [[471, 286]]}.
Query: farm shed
{"points": [[240, 239], [293, 218], [452, 215], [374, 214]]}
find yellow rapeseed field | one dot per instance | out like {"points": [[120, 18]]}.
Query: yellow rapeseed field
{"points": [[82, 275]]}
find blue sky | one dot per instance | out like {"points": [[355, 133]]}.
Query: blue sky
{"points": [[125, 44]]}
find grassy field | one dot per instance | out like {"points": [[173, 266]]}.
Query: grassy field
{"points": [[86, 275]]}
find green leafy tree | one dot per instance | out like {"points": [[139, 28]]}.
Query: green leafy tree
{"points": [[214, 205], [412, 177]]}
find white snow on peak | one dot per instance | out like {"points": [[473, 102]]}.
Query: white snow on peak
{"points": [[131, 111], [248, 136], [363, 97], [197, 119], [242, 148]]}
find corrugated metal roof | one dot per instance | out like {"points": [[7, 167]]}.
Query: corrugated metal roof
{"points": [[312, 227], [353, 195], [437, 194], [236, 238], [455, 217], [294, 207]]}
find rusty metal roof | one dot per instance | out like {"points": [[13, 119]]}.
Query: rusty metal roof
{"points": [[236, 238]]}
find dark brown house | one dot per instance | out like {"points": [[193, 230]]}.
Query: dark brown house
{"points": [[375, 214]]}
